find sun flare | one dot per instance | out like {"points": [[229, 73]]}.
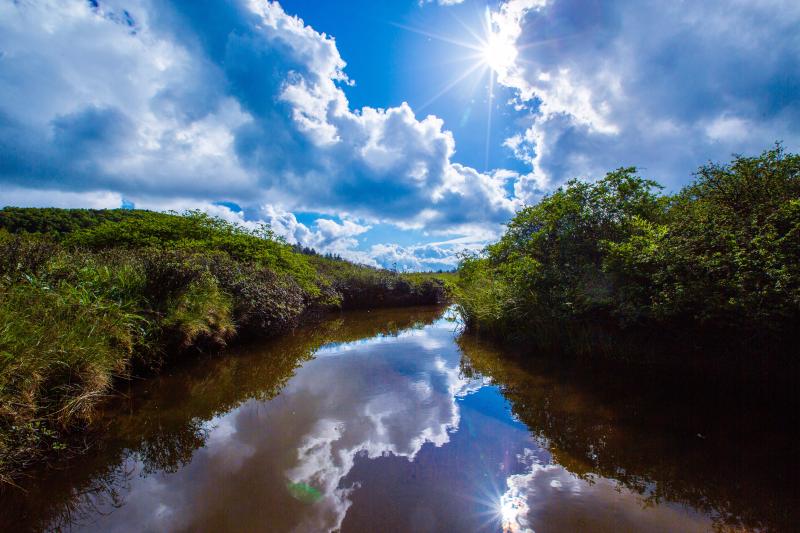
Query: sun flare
{"points": [[490, 55], [493, 54], [497, 54]]}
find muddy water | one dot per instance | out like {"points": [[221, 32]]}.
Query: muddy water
{"points": [[393, 421]]}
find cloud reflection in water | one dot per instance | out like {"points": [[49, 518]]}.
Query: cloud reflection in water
{"points": [[394, 431]]}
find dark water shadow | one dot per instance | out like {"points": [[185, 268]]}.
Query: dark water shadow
{"points": [[724, 449]]}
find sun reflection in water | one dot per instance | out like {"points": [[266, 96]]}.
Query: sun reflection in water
{"points": [[513, 508], [501, 507]]}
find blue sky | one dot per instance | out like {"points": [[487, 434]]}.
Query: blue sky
{"points": [[393, 133]]}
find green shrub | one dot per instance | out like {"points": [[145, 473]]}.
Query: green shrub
{"points": [[24, 256], [263, 300], [196, 231], [723, 254], [356, 286], [201, 315]]}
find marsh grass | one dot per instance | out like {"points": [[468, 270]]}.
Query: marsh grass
{"points": [[201, 315], [61, 347]]}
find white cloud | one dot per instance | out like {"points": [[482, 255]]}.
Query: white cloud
{"points": [[416, 257], [240, 101], [728, 129], [664, 86], [325, 235], [21, 197]]}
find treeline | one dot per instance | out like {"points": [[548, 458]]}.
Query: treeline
{"points": [[57, 222], [606, 266], [89, 296]]}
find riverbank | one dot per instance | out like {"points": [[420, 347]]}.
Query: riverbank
{"points": [[614, 268], [362, 418], [91, 298]]}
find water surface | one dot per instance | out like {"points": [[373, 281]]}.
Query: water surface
{"points": [[393, 421]]}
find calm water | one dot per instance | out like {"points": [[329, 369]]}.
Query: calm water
{"points": [[392, 421]]}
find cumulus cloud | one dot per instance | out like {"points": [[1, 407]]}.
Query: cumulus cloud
{"points": [[414, 257], [329, 236], [325, 236], [428, 256], [238, 100], [178, 103], [549, 495], [665, 86], [22, 197]]}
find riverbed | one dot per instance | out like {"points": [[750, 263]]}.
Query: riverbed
{"points": [[394, 420]]}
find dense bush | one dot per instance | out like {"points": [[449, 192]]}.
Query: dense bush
{"points": [[262, 299], [56, 222], [197, 231], [722, 255], [727, 251]]}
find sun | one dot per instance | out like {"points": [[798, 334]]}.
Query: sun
{"points": [[497, 54], [490, 55]]}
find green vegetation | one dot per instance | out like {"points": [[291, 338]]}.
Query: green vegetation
{"points": [[361, 288], [595, 264], [88, 297]]}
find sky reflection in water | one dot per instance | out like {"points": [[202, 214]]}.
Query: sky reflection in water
{"points": [[383, 433]]}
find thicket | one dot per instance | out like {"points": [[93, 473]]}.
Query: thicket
{"points": [[594, 264], [89, 297]]}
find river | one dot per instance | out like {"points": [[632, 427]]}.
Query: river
{"points": [[392, 420]]}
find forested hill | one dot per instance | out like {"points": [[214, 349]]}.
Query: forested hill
{"points": [[56, 221]]}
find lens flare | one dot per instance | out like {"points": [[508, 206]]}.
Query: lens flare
{"points": [[498, 52], [491, 54]]}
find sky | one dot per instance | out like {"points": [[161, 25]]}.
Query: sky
{"points": [[397, 134]]}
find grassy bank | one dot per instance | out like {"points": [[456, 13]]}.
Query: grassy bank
{"points": [[90, 297], [615, 267]]}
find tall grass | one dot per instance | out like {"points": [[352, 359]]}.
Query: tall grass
{"points": [[60, 349]]}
